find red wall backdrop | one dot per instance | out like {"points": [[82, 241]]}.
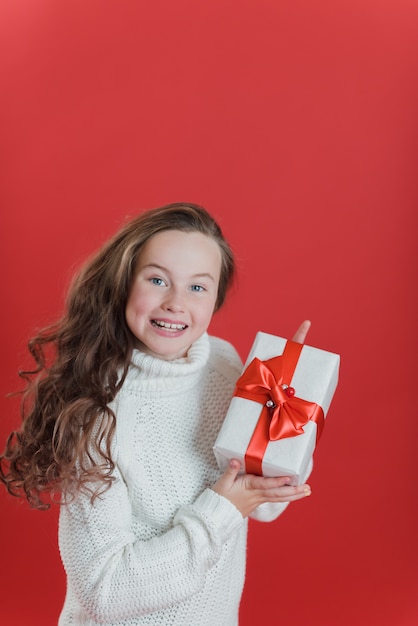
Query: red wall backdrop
{"points": [[295, 123]]}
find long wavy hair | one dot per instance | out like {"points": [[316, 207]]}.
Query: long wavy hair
{"points": [[64, 443]]}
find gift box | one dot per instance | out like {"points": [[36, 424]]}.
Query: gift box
{"points": [[277, 414]]}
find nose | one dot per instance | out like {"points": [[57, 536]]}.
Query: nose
{"points": [[173, 301]]}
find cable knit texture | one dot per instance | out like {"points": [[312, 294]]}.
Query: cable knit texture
{"points": [[160, 547]]}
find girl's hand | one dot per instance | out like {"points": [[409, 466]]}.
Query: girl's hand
{"points": [[247, 492]]}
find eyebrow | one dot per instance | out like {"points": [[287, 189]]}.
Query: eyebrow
{"points": [[163, 269]]}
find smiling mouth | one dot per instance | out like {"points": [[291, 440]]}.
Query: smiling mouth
{"points": [[168, 325]]}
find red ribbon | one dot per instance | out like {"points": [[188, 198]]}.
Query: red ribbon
{"points": [[262, 381]]}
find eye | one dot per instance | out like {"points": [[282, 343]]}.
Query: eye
{"points": [[157, 281], [197, 288]]}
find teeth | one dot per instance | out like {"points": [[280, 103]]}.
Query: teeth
{"points": [[168, 325]]}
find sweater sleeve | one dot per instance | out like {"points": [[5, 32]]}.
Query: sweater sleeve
{"points": [[117, 577], [269, 511]]}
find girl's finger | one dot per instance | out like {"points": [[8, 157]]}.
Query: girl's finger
{"points": [[302, 331]]}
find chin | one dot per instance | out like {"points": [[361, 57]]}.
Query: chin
{"points": [[167, 355]]}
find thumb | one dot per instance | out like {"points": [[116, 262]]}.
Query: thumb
{"points": [[227, 480], [231, 472]]}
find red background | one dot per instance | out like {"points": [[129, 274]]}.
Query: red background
{"points": [[295, 124]]}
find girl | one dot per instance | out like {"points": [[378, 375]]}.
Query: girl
{"points": [[121, 421]]}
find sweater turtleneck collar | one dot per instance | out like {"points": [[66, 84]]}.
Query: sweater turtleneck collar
{"points": [[150, 372]]}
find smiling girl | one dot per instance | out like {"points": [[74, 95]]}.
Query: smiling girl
{"points": [[122, 422]]}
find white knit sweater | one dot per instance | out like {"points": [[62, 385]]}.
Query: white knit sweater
{"points": [[160, 547]]}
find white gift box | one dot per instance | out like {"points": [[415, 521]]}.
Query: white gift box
{"points": [[314, 380]]}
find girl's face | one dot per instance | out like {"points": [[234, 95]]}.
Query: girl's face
{"points": [[174, 292]]}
